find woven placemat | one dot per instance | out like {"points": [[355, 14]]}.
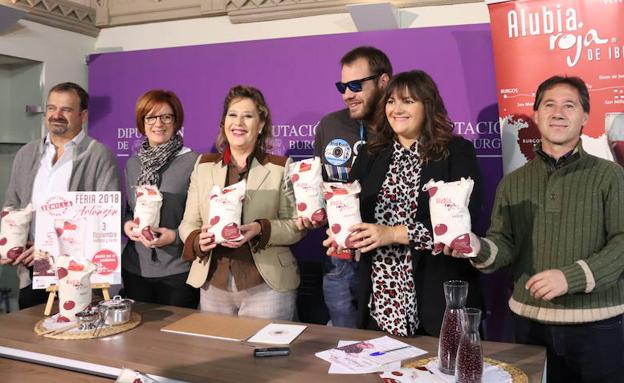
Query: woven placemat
{"points": [[72, 334], [517, 375]]}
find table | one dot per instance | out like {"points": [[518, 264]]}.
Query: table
{"points": [[198, 359]]}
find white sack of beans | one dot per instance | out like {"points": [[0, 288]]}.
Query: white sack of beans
{"points": [[343, 210], [450, 217]]}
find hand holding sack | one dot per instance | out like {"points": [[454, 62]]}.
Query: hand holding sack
{"points": [[147, 210], [450, 217], [306, 179], [14, 229], [74, 286], [343, 210], [226, 208]]}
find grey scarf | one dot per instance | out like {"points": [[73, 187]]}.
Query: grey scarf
{"points": [[155, 158]]}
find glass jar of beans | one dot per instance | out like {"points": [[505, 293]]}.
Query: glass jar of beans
{"points": [[455, 293], [469, 361]]}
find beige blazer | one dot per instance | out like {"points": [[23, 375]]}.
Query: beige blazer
{"points": [[269, 196]]}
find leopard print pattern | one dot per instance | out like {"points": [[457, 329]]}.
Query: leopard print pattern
{"points": [[393, 300]]}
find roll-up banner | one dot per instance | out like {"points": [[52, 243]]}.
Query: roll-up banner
{"points": [[536, 39]]}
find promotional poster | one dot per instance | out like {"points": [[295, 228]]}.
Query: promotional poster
{"points": [[536, 39], [83, 226]]}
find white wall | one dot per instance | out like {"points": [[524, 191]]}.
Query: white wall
{"points": [[63, 53], [219, 29], [5, 98], [25, 90]]}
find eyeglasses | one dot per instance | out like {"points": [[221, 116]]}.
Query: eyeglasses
{"points": [[354, 85], [166, 119]]}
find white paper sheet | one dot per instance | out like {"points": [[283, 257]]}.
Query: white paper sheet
{"points": [[338, 369], [276, 333], [358, 357]]}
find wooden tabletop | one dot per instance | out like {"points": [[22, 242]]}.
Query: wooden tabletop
{"points": [[197, 359]]}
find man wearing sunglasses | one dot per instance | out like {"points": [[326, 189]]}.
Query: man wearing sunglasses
{"points": [[66, 159], [339, 136], [364, 75]]}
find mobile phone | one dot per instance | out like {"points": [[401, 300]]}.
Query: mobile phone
{"points": [[271, 351]]}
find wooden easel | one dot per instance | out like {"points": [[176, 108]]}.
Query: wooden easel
{"points": [[52, 290]]}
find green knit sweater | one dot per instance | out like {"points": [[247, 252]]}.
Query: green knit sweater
{"points": [[572, 220]]}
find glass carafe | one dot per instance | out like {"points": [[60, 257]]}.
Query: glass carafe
{"points": [[455, 293], [469, 365]]}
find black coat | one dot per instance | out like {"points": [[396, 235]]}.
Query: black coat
{"points": [[429, 271]]}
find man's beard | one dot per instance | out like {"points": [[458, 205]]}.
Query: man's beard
{"points": [[371, 107], [58, 126]]}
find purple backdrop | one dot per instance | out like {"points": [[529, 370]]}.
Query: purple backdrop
{"points": [[297, 77]]}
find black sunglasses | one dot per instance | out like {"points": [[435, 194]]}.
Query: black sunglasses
{"points": [[354, 85]]}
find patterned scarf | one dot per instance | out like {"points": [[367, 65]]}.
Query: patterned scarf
{"points": [[155, 158]]}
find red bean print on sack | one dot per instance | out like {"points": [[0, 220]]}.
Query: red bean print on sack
{"points": [[15, 252], [319, 216], [147, 233], [462, 244], [61, 272], [230, 231], [440, 229], [75, 266], [336, 228], [349, 242], [68, 305]]}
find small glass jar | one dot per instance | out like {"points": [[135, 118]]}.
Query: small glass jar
{"points": [[469, 361]]}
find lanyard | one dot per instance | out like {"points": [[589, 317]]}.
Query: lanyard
{"points": [[362, 132], [362, 139]]}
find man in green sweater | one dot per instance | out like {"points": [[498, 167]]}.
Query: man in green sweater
{"points": [[558, 221]]}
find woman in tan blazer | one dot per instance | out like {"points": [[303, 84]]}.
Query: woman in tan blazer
{"points": [[256, 276]]}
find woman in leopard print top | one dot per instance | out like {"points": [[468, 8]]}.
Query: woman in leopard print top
{"points": [[400, 281]]}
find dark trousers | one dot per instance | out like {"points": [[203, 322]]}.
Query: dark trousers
{"points": [[171, 290], [29, 297], [580, 353]]}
